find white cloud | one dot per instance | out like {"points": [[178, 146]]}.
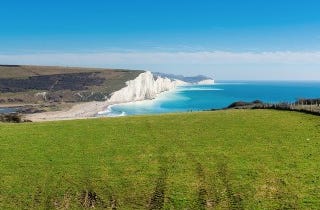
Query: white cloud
{"points": [[150, 58]]}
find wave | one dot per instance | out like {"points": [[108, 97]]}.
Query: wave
{"points": [[122, 114], [109, 112]]}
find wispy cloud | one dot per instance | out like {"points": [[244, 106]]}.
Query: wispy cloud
{"points": [[145, 58]]}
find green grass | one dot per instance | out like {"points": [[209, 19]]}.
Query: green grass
{"points": [[241, 159]]}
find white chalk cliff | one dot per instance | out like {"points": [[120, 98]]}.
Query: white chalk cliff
{"points": [[145, 86]]}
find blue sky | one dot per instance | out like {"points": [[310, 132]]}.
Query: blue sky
{"points": [[229, 39]]}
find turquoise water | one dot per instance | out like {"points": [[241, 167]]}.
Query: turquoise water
{"points": [[219, 95]]}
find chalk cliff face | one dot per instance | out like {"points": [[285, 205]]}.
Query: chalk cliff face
{"points": [[145, 86]]}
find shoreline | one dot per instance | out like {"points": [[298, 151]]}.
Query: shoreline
{"points": [[84, 110], [151, 91], [91, 109], [159, 96], [78, 111], [88, 110]]}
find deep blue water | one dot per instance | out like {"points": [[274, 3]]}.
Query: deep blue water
{"points": [[219, 95]]}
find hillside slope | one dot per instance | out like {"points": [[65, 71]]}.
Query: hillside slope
{"points": [[238, 159], [42, 84]]}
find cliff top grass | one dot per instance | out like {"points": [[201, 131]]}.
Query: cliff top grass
{"points": [[24, 71], [234, 159]]}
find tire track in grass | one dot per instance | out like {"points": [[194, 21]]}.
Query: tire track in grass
{"points": [[37, 198], [158, 196], [235, 200], [87, 194], [90, 198], [43, 192], [275, 188], [103, 196], [157, 199], [202, 194], [203, 201]]}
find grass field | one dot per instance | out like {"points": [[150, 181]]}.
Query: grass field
{"points": [[237, 159]]}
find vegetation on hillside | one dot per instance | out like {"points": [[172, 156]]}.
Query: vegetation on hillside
{"points": [[11, 118], [234, 159], [308, 106], [41, 84]]}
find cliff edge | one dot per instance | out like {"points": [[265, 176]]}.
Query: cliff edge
{"points": [[145, 86]]}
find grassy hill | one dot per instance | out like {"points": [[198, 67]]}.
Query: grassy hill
{"points": [[45, 84], [236, 159]]}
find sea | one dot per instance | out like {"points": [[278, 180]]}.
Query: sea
{"points": [[219, 95]]}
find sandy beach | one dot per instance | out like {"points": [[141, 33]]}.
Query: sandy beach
{"points": [[78, 111]]}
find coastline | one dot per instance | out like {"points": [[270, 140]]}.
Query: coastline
{"points": [[78, 111], [160, 96], [142, 89], [86, 110]]}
